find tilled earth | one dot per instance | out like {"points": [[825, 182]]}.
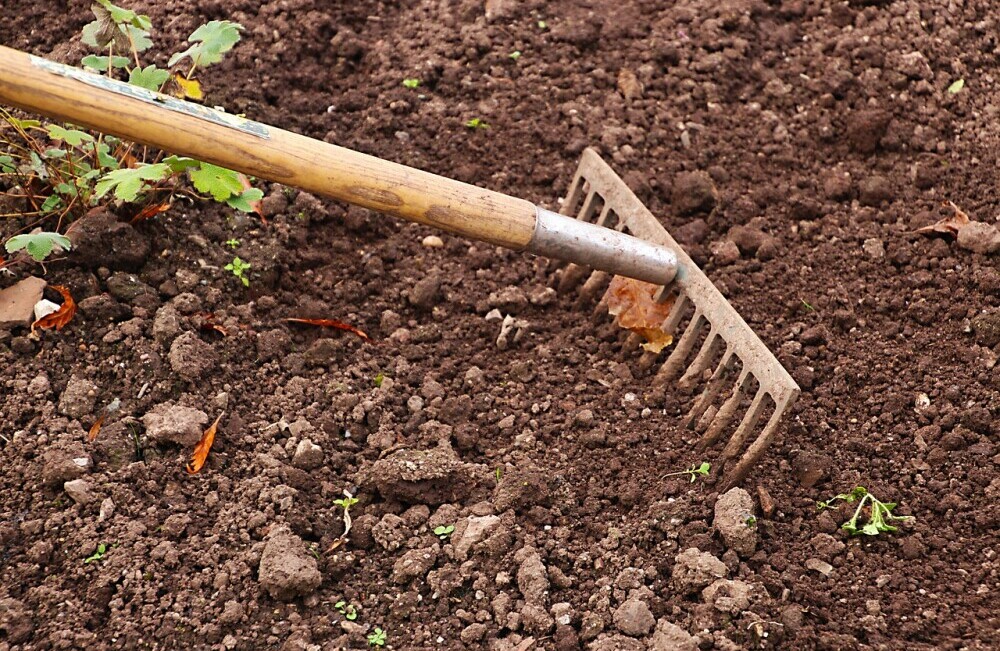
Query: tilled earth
{"points": [[792, 147]]}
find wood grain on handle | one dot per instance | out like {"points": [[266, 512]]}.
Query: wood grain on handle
{"points": [[281, 156]]}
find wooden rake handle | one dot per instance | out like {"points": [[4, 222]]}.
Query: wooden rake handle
{"points": [[95, 101]]}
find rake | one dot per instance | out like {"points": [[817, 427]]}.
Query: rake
{"points": [[612, 232]]}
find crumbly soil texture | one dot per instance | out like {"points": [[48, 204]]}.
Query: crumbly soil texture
{"points": [[513, 494]]}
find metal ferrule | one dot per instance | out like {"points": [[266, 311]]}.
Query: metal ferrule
{"points": [[588, 245]]}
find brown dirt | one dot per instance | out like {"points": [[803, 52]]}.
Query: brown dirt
{"points": [[828, 135]]}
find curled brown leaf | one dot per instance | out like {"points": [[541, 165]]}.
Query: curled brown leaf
{"points": [[633, 304], [60, 317], [331, 323], [200, 454]]}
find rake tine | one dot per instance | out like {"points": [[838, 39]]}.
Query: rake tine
{"points": [[715, 385], [754, 452], [746, 426], [701, 360], [725, 413], [673, 364]]}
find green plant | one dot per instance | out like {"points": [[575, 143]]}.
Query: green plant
{"points": [[102, 549], [543, 25], [444, 531], [693, 471], [807, 305], [751, 522], [61, 172], [956, 87], [346, 502], [239, 268], [877, 518], [498, 474], [377, 637], [38, 245], [347, 610], [379, 379], [411, 83], [232, 243], [515, 55], [476, 123]]}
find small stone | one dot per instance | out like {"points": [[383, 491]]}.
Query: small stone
{"points": [[976, 237], [414, 564], [874, 248], [736, 522], [875, 190], [694, 192], [695, 569], [80, 491], [726, 596], [986, 327], [308, 455], [192, 358], [473, 530], [817, 565], [629, 85], [634, 618], [424, 292], [172, 423], [724, 252], [78, 398], [510, 300], [432, 242], [17, 302], [286, 569], [671, 637]]}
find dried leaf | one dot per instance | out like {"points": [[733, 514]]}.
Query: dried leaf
{"points": [[208, 323], [948, 225], [632, 303], [188, 88], [95, 429], [62, 316], [150, 211], [330, 323], [200, 454]]}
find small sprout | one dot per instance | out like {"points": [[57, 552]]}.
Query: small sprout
{"points": [[345, 502], [411, 83], [377, 637], [38, 245], [232, 243], [751, 522], [379, 379], [515, 55], [239, 269], [444, 531], [543, 25], [102, 549], [693, 471], [807, 305], [877, 519], [347, 610], [956, 87], [313, 551], [476, 123], [498, 473]]}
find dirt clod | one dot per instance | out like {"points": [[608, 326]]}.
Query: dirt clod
{"points": [[735, 521], [432, 476], [192, 358], [286, 569], [695, 569], [693, 193], [78, 398], [634, 618], [671, 637], [172, 423]]}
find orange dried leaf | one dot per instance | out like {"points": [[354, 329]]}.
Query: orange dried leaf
{"points": [[208, 323], [150, 211], [60, 317], [330, 323], [200, 454], [634, 306], [948, 225], [95, 429]]}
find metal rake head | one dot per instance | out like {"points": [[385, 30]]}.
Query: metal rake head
{"points": [[729, 355]]}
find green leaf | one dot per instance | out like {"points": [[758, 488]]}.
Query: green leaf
{"points": [[217, 181], [515, 55], [71, 137], [242, 201], [128, 183], [38, 245], [477, 123], [23, 125], [7, 165], [66, 189], [104, 31], [211, 41], [104, 157], [150, 77], [870, 529], [54, 153], [956, 87], [139, 37], [411, 83], [180, 163], [50, 204], [100, 63]]}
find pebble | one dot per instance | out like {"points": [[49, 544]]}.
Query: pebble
{"points": [[17, 302], [634, 618], [80, 491], [172, 423], [735, 521], [979, 238], [432, 242], [307, 455], [424, 292], [817, 565], [724, 252], [874, 248]]}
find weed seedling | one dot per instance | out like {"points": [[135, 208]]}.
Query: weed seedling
{"points": [[515, 55], [376, 637], [102, 549], [346, 502], [877, 518], [444, 531], [693, 471], [347, 610], [543, 25], [38, 245], [232, 243], [239, 269], [476, 123], [379, 379], [498, 474], [411, 83]]}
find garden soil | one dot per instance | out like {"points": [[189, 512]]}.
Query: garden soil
{"points": [[792, 147]]}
